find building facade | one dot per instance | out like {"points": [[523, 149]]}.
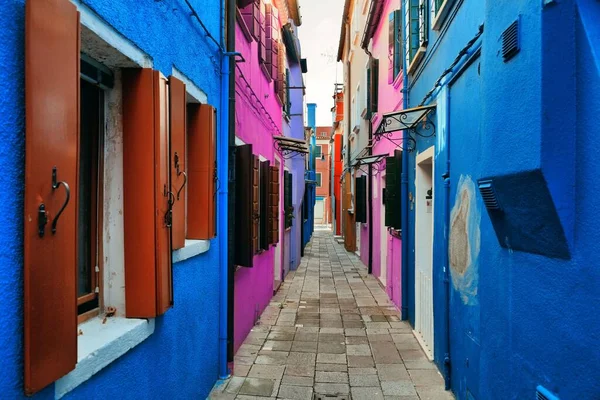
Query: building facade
{"points": [[102, 267], [323, 175]]}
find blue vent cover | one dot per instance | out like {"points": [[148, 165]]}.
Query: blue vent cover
{"points": [[541, 393], [510, 41], [486, 188]]}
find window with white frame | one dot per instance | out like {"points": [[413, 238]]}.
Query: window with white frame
{"points": [[416, 30]]}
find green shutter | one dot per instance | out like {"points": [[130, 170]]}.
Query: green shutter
{"points": [[361, 199], [412, 29], [287, 199], [393, 190], [368, 114], [397, 42], [374, 86]]}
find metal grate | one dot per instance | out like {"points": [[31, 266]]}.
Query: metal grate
{"points": [[486, 188], [541, 393], [510, 41], [317, 396]]}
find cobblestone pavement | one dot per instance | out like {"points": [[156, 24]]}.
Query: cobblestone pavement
{"points": [[331, 330]]}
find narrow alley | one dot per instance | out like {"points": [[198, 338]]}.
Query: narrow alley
{"points": [[331, 330]]}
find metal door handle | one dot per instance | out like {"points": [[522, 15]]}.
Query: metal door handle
{"points": [[55, 185]]}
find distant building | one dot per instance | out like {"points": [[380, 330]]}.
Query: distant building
{"points": [[323, 172]]}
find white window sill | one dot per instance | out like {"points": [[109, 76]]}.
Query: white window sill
{"points": [[191, 249], [99, 345]]}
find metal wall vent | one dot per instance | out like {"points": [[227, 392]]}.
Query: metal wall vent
{"points": [[510, 41], [541, 393], [488, 193]]}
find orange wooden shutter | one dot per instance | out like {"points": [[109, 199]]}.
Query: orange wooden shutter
{"points": [[255, 204], [177, 119], [146, 196], [274, 206], [201, 216], [51, 140]]}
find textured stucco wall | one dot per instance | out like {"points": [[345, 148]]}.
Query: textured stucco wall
{"points": [[518, 319], [181, 357], [254, 286]]}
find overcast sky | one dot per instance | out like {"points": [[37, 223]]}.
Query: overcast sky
{"points": [[319, 37]]}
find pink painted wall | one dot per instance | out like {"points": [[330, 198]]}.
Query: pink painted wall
{"points": [[390, 99], [258, 119]]}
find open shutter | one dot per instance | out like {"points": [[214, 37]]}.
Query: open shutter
{"points": [[51, 141], [147, 197], [287, 199], [251, 15], [391, 46], [255, 204], [262, 36], [274, 206], [265, 187], [361, 199], [272, 36], [393, 189], [374, 86], [201, 215], [177, 120], [244, 253], [423, 22], [279, 84]]}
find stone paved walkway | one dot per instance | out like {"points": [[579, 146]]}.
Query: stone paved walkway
{"points": [[331, 330]]}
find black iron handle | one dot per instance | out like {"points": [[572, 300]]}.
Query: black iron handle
{"points": [[169, 213], [55, 185], [179, 173]]}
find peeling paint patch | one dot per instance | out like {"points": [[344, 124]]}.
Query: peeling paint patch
{"points": [[464, 241]]}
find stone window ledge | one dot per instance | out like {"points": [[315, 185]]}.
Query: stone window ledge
{"points": [[99, 344], [191, 249]]}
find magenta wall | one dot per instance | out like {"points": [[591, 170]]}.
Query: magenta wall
{"points": [[390, 99], [258, 119]]}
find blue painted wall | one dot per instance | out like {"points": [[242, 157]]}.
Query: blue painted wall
{"points": [[181, 358], [311, 175], [520, 315]]}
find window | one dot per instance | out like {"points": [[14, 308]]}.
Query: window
{"points": [[251, 15], [439, 10], [394, 42], [262, 35], [265, 188], [361, 199], [274, 205], [318, 151], [373, 84], [244, 207], [417, 32], [318, 179], [287, 199], [272, 45]]}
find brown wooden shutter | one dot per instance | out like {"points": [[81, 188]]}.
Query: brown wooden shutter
{"points": [[265, 191], [255, 204], [177, 119], [244, 252], [272, 30], [51, 140], [201, 216], [262, 37], [274, 206], [280, 84], [251, 15], [146, 195]]}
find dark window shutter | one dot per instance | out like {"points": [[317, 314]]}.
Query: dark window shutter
{"points": [[255, 204], [368, 89], [288, 103], [272, 35], [262, 35], [201, 163], [51, 140], [374, 87], [274, 206], [177, 122], [146, 169], [251, 15], [244, 168], [391, 46], [393, 190], [361, 199], [397, 43], [244, 3], [265, 189], [287, 199]]}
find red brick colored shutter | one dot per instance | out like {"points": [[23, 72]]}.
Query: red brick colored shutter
{"points": [[265, 191], [255, 204], [147, 195], [177, 120], [201, 216], [244, 252], [51, 140], [274, 206]]}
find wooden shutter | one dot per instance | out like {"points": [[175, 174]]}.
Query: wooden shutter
{"points": [[51, 140], [265, 187], [244, 168], [397, 40], [177, 120], [393, 190], [147, 196], [272, 36], [361, 199], [255, 194], [374, 86], [251, 15], [274, 206], [391, 46], [201, 215], [280, 83], [423, 22], [262, 36], [287, 198]]}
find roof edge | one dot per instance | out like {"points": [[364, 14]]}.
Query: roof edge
{"points": [[343, 29]]}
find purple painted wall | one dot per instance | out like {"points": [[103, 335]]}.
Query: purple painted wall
{"points": [[258, 119], [390, 99]]}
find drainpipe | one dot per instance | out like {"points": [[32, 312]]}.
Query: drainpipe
{"points": [[446, 176], [404, 181], [229, 177], [370, 179]]}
